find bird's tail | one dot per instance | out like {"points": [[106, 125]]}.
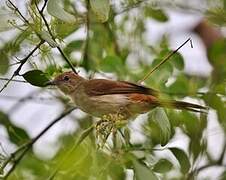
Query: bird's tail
{"points": [[182, 105]]}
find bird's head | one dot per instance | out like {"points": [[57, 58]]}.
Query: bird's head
{"points": [[67, 82]]}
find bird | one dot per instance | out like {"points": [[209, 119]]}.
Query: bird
{"points": [[99, 97]]}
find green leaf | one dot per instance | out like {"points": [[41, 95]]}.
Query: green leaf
{"points": [[73, 46], [156, 14], [163, 166], [55, 8], [142, 172], [101, 9], [16, 134], [182, 159], [180, 86], [111, 64], [61, 31], [4, 63], [217, 16], [47, 37], [36, 78], [223, 176], [177, 61], [159, 116], [5, 18], [10, 48], [214, 101]]}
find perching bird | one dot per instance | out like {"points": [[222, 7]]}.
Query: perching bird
{"points": [[99, 97]]}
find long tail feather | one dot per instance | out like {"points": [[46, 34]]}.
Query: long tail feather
{"points": [[183, 105]]}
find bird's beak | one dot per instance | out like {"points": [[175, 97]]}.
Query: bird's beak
{"points": [[50, 83]]}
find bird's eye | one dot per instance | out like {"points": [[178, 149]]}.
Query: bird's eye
{"points": [[66, 78]]}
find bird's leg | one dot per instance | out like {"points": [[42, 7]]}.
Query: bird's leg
{"points": [[109, 124]]}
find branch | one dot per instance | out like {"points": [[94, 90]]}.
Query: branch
{"points": [[14, 80], [16, 159], [164, 60], [18, 11], [51, 34], [38, 100], [22, 62], [44, 5]]}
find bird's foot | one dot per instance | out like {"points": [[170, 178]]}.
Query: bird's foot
{"points": [[107, 125]]}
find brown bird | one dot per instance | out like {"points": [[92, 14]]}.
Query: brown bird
{"points": [[99, 97]]}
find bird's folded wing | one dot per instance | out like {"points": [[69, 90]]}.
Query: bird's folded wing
{"points": [[97, 87]]}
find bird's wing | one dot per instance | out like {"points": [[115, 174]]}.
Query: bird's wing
{"points": [[97, 87]]}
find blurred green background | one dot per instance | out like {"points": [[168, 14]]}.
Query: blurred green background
{"points": [[120, 40]]}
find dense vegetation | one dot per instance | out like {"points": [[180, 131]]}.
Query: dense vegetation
{"points": [[114, 47]]}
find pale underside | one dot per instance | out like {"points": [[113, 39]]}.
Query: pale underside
{"points": [[110, 104]]}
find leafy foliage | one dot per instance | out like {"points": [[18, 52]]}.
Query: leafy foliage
{"points": [[114, 40], [36, 78]]}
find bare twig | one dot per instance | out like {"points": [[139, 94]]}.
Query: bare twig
{"points": [[38, 100], [15, 158], [51, 34], [7, 83], [164, 60], [22, 62], [14, 80], [44, 5], [18, 11]]}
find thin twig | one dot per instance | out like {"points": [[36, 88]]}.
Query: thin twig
{"points": [[39, 100], [51, 34], [18, 11], [7, 83], [44, 5], [14, 80], [164, 60], [27, 146], [22, 62]]}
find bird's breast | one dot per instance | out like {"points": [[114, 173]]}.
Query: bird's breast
{"points": [[100, 105]]}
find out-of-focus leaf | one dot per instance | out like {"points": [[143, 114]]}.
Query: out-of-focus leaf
{"points": [[216, 53], [10, 48], [73, 46], [4, 64], [159, 116], [142, 172], [5, 18], [180, 86], [177, 61], [163, 166], [47, 37], [216, 56], [101, 9], [61, 31], [111, 64], [156, 14], [55, 8], [182, 159], [223, 176], [16, 134], [36, 78], [37, 167], [215, 102], [217, 16]]}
